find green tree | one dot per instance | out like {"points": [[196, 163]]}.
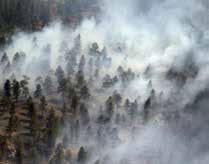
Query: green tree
{"points": [[7, 88], [53, 128], [43, 104], [38, 91], [16, 89], [82, 155]]}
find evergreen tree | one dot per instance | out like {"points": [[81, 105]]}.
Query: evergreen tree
{"points": [[120, 71], [133, 110], [59, 74], [82, 155], [48, 85], [38, 91], [96, 73], [77, 130], [90, 65], [77, 45], [84, 114], [7, 68], [62, 86], [24, 86], [109, 105], [80, 79], [53, 128], [84, 92], [7, 88], [12, 109], [146, 111], [94, 50], [30, 106], [70, 69], [4, 59], [82, 63], [127, 104], [16, 89], [117, 98], [43, 104], [74, 104]]}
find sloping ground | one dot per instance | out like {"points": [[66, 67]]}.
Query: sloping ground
{"points": [[4, 120], [23, 121]]}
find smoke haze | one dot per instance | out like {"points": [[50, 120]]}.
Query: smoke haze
{"points": [[152, 38]]}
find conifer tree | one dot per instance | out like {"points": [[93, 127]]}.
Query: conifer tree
{"points": [[7, 88]]}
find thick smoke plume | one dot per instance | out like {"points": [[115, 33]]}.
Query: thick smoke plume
{"points": [[165, 43]]}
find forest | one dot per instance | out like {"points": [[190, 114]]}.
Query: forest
{"points": [[104, 82], [33, 15]]}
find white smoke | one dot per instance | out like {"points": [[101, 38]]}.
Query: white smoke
{"points": [[160, 34]]}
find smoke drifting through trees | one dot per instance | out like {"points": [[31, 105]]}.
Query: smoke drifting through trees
{"points": [[142, 82]]}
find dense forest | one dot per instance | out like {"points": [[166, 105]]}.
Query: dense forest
{"points": [[30, 15], [104, 82], [60, 104]]}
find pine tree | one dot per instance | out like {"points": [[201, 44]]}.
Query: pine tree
{"points": [[109, 105], [59, 74], [70, 69], [146, 112], [82, 63], [43, 104], [84, 92], [90, 65], [84, 114], [38, 91], [7, 89], [80, 79], [4, 59], [53, 128], [82, 155], [16, 89], [127, 104], [24, 86], [77, 46], [74, 104], [117, 98], [48, 85]]}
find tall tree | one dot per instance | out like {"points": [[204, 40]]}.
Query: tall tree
{"points": [[84, 92], [109, 106], [7, 88], [82, 63], [82, 155], [5, 58], [59, 74], [38, 91], [16, 89], [48, 85]]}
